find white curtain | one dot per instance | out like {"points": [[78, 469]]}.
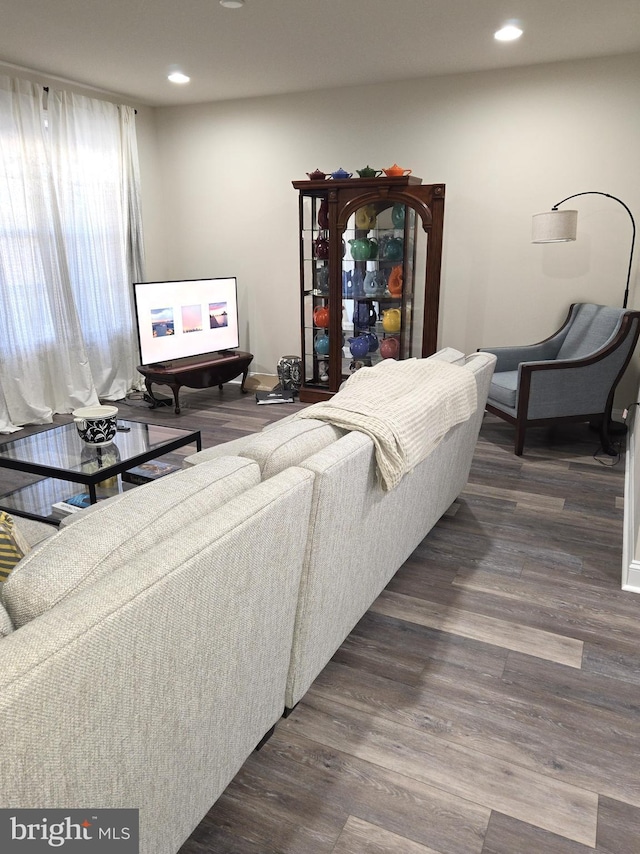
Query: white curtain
{"points": [[70, 246]]}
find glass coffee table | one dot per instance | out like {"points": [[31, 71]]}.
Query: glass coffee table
{"points": [[62, 461]]}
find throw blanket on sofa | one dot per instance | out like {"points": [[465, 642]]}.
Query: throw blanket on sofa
{"points": [[406, 407]]}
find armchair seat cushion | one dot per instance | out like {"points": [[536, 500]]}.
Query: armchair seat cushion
{"points": [[504, 388]]}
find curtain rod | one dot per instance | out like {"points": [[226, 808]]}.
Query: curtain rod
{"points": [[46, 89]]}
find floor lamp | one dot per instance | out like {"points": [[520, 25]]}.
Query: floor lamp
{"points": [[556, 226]]}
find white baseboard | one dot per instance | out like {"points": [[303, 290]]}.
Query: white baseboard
{"points": [[630, 566], [632, 583]]}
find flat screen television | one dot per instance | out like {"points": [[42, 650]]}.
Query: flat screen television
{"points": [[182, 319]]}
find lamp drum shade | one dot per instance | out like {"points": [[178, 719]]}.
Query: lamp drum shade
{"points": [[554, 226]]}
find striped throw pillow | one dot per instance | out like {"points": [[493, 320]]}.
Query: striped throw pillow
{"points": [[13, 546]]}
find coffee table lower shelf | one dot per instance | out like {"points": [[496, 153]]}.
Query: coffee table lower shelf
{"points": [[51, 466], [35, 500]]}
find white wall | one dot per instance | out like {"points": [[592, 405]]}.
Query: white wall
{"points": [[506, 144]]}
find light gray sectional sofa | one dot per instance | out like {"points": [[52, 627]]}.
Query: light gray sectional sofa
{"points": [[152, 642], [359, 535]]}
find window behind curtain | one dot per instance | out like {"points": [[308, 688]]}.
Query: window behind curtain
{"points": [[70, 245]]}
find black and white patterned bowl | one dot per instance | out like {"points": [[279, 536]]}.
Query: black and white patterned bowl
{"points": [[96, 425]]}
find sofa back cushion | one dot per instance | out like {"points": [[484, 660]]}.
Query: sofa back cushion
{"points": [[279, 447], [119, 532]]}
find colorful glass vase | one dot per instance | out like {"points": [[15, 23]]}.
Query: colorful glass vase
{"points": [[394, 249], [322, 279], [357, 283], [390, 348], [321, 248], [373, 341], [364, 315], [359, 346], [394, 284], [321, 344], [323, 214], [391, 320], [397, 215], [289, 370], [373, 284], [364, 248], [321, 316], [366, 217]]}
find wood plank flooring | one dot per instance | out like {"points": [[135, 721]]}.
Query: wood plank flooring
{"points": [[488, 702]]}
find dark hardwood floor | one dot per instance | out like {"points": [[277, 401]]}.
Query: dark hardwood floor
{"points": [[488, 702]]}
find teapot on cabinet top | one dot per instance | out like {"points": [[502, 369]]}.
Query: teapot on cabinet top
{"points": [[341, 173], [368, 172], [395, 171], [316, 175]]}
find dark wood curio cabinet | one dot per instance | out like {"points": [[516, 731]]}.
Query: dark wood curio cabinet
{"points": [[370, 257]]}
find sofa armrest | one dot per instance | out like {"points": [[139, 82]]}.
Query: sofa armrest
{"points": [[34, 532], [174, 666]]}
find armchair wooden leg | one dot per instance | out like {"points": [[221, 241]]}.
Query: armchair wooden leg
{"points": [[520, 431]]}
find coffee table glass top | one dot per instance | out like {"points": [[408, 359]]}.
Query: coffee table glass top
{"points": [[61, 450], [61, 461]]}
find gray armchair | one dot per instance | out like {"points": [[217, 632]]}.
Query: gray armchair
{"points": [[570, 376]]}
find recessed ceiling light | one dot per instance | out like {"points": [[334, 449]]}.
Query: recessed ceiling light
{"points": [[232, 4], [178, 77], [508, 33]]}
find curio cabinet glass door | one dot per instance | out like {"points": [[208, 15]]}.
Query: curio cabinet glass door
{"points": [[370, 257]]}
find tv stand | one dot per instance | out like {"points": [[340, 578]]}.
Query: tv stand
{"points": [[196, 372]]}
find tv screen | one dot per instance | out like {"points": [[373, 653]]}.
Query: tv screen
{"points": [[186, 318]]}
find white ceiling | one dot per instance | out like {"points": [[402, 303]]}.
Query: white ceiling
{"points": [[275, 46]]}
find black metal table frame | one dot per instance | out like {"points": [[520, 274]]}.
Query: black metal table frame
{"points": [[91, 479]]}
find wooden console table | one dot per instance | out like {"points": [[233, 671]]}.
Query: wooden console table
{"points": [[202, 373]]}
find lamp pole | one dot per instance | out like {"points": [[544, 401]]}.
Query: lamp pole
{"points": [[633, 227]]}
